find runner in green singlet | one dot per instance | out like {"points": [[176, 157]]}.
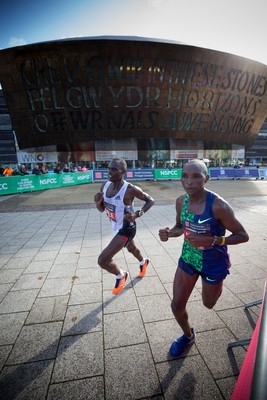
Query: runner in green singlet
{"points": [[203, 218]]}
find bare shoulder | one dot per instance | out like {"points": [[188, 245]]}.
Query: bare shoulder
{"points": [[180, 200], [133, 187], [179, 203], [220, 205], [136, 191]]}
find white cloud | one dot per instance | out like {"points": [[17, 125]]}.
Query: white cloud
{"points": [[13, 42]]}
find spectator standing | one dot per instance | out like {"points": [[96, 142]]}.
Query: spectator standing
{"points": [[66, 168], [8, 171], [36, 170], [43, 169], [73, 168], [57, 169], [23, 170], [15, 172]]}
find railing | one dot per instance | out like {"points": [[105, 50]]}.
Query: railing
{"points": [[259, 381], [252, 381]]}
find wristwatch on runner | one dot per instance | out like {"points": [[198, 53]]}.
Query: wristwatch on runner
{"points": [[140, 213]]}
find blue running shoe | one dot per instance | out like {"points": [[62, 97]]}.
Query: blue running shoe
{"points": [[179, 346]]}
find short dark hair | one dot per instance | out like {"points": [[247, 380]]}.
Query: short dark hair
{"points": [[122, 163], [200, 163]]}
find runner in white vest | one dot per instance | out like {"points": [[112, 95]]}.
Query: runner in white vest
{"points": [[116, 197]]}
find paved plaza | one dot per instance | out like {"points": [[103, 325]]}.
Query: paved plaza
{"points": [[64, 336]]}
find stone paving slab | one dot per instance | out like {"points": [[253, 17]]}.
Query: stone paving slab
{"points": [[63, 335]]}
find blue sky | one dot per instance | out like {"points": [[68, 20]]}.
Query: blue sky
{"points": [[233, 26]]}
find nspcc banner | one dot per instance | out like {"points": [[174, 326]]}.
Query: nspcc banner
{"points": [[168, 173], [31, 183]]}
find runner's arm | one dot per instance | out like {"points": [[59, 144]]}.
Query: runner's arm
{"points": [[137, 192], [177, 229], [99, 199], [225, 214]]}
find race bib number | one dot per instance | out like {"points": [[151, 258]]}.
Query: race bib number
{"points": [[191, 227], [111, 211]]}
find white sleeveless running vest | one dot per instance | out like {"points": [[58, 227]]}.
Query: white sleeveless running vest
{"points": [[115, 206]]}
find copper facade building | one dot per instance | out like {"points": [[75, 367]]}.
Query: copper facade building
{"points": [[79, 93]]}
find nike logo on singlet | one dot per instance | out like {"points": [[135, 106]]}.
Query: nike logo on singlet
{"points": [[202, 221]]}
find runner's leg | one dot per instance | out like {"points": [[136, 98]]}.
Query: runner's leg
{"points": [[211, 293], [131, 247], [183, 285], [105, 260]]}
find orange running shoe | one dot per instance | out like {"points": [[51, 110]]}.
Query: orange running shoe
{"points": [[120, 284], [143, 268]]}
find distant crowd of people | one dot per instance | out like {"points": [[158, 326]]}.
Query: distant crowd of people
{"points": [[40, 169], [59, 168]]}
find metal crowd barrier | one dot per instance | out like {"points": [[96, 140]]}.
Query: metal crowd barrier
{"points": [[252, 381], [259, 381], [30, 183]]}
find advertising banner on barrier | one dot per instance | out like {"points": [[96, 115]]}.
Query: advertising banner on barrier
{"points": [[262, 173], [168, 173], [234, 173], [221, 173], [140, 174], [246, 173], [134, 174], [101, 175], [31, 183]]}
